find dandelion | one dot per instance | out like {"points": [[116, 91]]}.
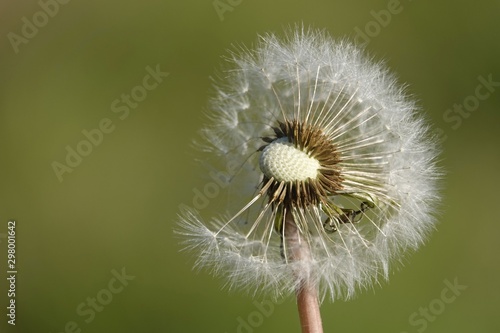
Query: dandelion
{"points": [[336, 174]]}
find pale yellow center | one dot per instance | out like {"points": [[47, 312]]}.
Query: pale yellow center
{"points": [[281, 160]]}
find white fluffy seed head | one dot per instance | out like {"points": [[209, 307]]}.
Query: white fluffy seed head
{"points": [[282, 161], [377, 178]]}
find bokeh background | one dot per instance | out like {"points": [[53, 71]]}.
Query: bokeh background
{"points": [[115, 210]]}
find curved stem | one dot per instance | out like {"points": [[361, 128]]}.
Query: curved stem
{"points": [[307, 292]]}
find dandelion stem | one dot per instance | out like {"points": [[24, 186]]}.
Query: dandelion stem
{"points": [[307, 291]]}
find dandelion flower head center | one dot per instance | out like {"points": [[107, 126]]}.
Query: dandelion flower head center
{"points": [[300, 165], [283, 161]]}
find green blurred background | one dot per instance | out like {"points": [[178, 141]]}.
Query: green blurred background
{"points": [[116, 208]]}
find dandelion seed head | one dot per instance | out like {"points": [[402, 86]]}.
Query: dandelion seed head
{"points": [[326, 135]]}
